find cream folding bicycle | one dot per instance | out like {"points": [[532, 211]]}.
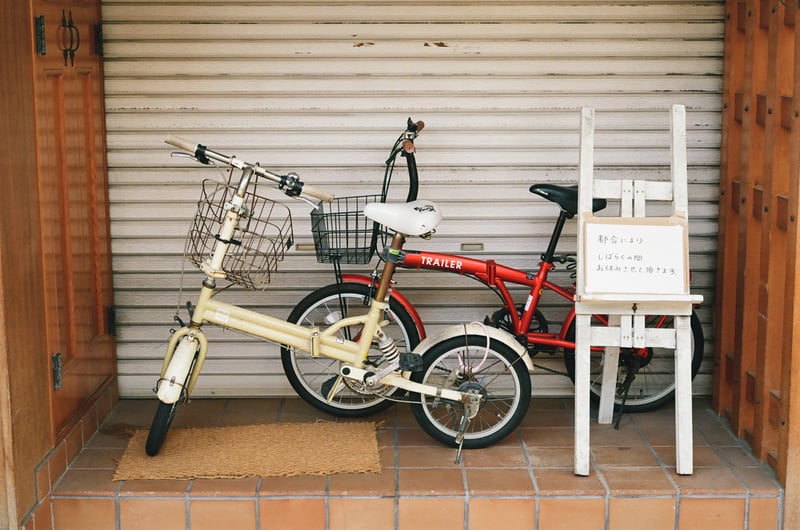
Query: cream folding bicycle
{"points": [[468, 386]]}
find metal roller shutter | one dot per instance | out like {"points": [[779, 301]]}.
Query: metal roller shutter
{"points": [[323, 88]]}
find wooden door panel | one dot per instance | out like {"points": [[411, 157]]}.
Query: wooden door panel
{"points": [[52, 176], [74, 218]]}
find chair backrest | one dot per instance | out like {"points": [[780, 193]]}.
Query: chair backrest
{"points": [[633, 253]]}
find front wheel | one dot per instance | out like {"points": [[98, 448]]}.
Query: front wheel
{"points": [[160, 426], [654, 384], [314, 378], [466, 363]]}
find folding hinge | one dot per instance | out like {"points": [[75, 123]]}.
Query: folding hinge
{"points": [[57, 371], [38, 30]]}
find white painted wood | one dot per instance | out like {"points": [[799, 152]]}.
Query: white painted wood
{"points": [[626, 326], [610, 360], [324, 87], [582, 401], [683, 397]]}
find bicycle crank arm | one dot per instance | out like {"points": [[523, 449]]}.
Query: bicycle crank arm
{"points": [[395, 379]]}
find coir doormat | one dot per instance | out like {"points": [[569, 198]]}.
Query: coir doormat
{"points": [[270, 450]]}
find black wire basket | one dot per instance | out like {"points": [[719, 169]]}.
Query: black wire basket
{"points": [[342, 234], [260, 242]]}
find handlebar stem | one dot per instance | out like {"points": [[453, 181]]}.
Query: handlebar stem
{"points": [[244, 181]]}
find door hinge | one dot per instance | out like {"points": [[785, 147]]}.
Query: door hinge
{"points": [[57, 371], [111, 320], [38, 27], [98, 40]]}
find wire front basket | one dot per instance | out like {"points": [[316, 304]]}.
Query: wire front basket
{"points": [[342, 234], [258, 244]]}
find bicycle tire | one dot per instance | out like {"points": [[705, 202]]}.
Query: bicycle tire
{"points": [[160, 427], [655, 382], [307, 374], [504, 403]]}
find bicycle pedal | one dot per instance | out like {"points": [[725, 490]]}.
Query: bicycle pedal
{"points": [[411, 362]]}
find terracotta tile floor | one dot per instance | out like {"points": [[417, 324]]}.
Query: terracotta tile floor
{"points": [[524, 482]]}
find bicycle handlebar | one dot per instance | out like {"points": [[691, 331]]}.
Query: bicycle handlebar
{"points": [[291, 182], [412, 129], [407, 147]]}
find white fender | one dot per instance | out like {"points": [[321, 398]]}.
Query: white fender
{"points": [[481, 330], [170, 386]]}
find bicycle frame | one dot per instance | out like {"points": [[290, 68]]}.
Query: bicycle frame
{"points": [[498, 276], [492, 275], [317, 342]]}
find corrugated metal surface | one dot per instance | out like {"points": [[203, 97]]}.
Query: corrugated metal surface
{"points": [[324, 87]]}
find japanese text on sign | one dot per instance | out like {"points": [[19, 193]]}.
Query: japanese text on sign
{"points": [[635, 258]]}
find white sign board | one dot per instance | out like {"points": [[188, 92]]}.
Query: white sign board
{"points": [[636, 256]]}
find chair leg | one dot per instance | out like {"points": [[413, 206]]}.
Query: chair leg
{"points": [[582, 360], [683, 396]]}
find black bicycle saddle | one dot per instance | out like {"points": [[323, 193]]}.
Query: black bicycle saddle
{"points": [[565, 196]]}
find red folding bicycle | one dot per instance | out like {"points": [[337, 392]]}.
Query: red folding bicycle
{"points": [[645, 375]]}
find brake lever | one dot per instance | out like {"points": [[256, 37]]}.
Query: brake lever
{"points": [[307, 201]]}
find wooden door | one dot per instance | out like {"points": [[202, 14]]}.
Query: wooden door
{"points": [[73, 190]]}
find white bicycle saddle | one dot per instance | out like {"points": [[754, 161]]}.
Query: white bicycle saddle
{"points": [[408, 218]]}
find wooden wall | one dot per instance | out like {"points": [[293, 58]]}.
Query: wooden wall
{"points": [[25, 429], [757, 333]]}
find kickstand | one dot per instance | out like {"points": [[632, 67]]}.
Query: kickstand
{"points": [[462, 427], [471, 405], [632, 367]]}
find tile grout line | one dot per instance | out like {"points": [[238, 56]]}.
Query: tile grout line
{"points": [[465, 485], [746, 447], [663, 467], [607, 497], [396, 444], [117, 508], [222, 412], [327, 502], [532, 476], [187, 504], [730, 467], [257, 499]]}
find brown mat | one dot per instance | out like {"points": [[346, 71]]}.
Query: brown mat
{"points": [[272, 450]]}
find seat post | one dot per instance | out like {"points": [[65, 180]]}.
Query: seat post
{"points": [[551, 247], [393, 255]]}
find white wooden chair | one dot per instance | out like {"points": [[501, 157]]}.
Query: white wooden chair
{"points": [[631, 266]]}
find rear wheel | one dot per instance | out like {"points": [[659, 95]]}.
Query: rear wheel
{"points": [[654, 384], [497, 374], [314, 377]]}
